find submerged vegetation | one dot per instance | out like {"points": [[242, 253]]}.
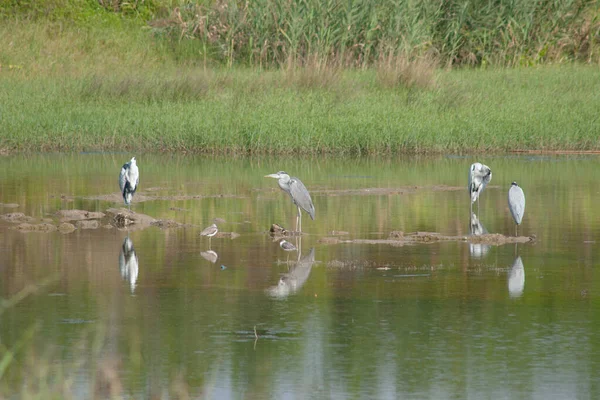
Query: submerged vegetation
{"points": [[275, 76]]}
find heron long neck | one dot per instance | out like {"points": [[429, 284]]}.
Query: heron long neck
{"points": [[284, 183]]}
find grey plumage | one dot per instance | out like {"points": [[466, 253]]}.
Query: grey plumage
{"points": [[129, 180], [516, 202], [287, 246], [298, 192], [210, 231], [479, 176]]}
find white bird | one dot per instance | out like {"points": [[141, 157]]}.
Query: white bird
{"points": [[516, 204], [128, 263], [129, 180], [299, 194], [479, 176], [210, 232]]}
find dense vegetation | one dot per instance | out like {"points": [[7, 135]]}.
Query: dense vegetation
{"points": [[354, 33]]}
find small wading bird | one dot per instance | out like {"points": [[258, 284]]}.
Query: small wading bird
{"points": [[287, 246], [516, 204], [210, 232], [128, 181], [479, 176], [299, 194]]}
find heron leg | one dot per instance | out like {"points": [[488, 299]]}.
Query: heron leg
{"points": [[210, 237], [299, 220]]}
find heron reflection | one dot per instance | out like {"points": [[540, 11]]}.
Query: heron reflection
{"points": [[476, 228], [210, 255], [516, 278], [293, 280], [128, 263]]}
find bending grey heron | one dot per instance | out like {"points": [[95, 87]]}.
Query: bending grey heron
{"points": [[516, 204], [128, 181], [479, 176], [128, 263], [210, 232], [299, 194]]}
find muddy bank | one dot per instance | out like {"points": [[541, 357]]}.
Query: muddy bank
{"points": [[398, 238], [68, 221]]}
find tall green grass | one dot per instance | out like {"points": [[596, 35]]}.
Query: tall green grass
{"points": [[361, 33]]}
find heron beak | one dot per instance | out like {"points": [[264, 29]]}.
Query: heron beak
{"points": [[276, 176]]}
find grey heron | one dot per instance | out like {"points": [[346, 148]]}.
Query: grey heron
{"points": [[516, 204], [128, 263], [210, 232], [128, 180], [299, 194], [479, 176]]}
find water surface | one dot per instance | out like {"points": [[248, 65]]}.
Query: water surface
{"points": [[431, 320]]}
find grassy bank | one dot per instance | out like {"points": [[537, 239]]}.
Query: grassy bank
{"points": [[303, 111], [85, 75]]}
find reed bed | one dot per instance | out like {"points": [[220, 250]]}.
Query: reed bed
{"points": [[362, 33]]}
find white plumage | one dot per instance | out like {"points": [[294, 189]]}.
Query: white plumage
{"points": [[479, 176], [129, 180]]}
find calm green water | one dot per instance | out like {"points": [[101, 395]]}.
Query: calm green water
{"points": [[441, 320]]}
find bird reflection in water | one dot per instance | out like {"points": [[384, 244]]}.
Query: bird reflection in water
{"points": [[128, 263], [516, 278], [210, 255], [294, 279], [477, 250]]}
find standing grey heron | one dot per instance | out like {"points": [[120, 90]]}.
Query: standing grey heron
{"points": [[299, 194], [128, 181], [210, 232], [516, 204], [479, 176]]}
